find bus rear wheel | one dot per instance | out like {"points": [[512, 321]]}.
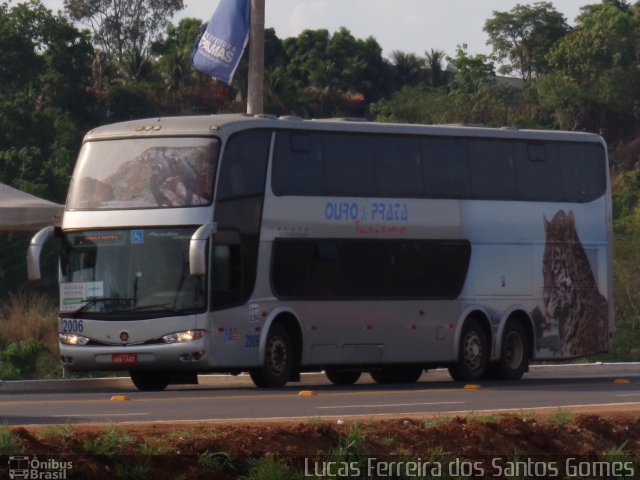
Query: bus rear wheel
{"points": [[342, 377], [396, 374], [514, 356], [473, 353], [278, 360], [149, 381]]}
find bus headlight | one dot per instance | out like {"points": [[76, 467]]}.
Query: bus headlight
{"points": [[73, 339], [184, 337]]}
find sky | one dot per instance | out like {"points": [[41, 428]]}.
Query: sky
{"points": [[411, 26]]}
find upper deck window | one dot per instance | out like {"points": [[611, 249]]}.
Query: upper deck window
{"points": [[397, 166], [144, 173]]}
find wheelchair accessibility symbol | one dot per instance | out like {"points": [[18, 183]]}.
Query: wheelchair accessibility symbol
{"points": [[137, 237]]}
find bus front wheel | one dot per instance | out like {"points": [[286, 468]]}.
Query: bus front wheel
{"points": [[149, 381], [396, 374], [473, 353], [278, 360], [342, 377]]}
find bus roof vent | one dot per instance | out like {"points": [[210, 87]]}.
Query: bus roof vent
{"points": [[347, 119], [509, 128], [265, 115], [291, 118], [473, 125]]}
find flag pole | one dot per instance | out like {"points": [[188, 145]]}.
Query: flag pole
{"points": [[255, 94]]}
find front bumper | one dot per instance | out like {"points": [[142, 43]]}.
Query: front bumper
{"points": [[191, 356]]}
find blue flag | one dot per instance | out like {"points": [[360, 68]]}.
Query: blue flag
{"points": [[219, 48]]}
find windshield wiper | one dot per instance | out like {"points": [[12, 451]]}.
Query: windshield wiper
{"points": [[160, 307], [90, 302]]}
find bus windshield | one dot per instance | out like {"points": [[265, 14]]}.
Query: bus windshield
{"points": [[144, 173], [141, 271]]}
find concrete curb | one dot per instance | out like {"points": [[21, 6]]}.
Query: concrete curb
{"points": [[117, 383], [243, 380], [61, 385]]}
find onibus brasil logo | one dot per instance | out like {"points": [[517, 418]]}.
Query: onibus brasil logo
{"points": [[33, 468]]}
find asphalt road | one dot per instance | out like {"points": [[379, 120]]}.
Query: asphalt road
{"points": [[221, 398]]}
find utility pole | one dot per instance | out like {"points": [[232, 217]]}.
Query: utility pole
{"points": [[255, 94]]}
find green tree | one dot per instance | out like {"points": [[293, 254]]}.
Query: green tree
{"points": [[595, 80], [421, 104], [280, 91], [435, 60], [408, 69], [361, 68], [471, 72], [125, 29], [523, 37], [173, 54], [45, 101], [335, 74], [46, 105]]}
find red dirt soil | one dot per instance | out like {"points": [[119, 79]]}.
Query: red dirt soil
{"points": [[226, 451]]}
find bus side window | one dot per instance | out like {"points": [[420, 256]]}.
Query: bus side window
{"points": [[446, 168], [226, 275], [493, 169], [537, 174], [298, 167], [583, 172], [238, 214]]}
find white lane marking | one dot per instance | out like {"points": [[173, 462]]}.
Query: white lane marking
{"points": [[102, 414], [385, 405], [368, 415], [627, 395]]}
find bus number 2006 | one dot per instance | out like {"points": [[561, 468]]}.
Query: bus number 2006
{"points": [[70, 325]]}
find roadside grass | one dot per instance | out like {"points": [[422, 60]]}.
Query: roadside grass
{"points": [[561, 417], [350, 448], [269, 468], [435, 421], [218, 461], [481, 418], [112, 441], [187, 435], [28, 338], [617, 451], [29, 316], [151, 447], [9, 443], [135, 458], [63, 432], [388, 441], [132, 472], [525, 416], [316, 421]]}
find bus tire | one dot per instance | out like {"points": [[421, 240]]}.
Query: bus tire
{"points": [[514, 355], [342, 377], [149, 381], [473, 353], [278, 360], [396, 375]]}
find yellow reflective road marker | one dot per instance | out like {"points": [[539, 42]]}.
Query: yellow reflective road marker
{"points": [[472, 386], [119, 398], [622, 381], [307, 393]]}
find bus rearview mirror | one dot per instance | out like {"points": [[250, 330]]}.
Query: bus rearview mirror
{"points": [[35, 250], [198, 248]]}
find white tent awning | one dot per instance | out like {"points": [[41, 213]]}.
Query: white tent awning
{"points": [[20, 211]]}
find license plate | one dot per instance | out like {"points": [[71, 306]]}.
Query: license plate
{"points": [[124, 358]]}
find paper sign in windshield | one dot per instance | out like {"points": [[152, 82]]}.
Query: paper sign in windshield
{"points": [[74, 295]]}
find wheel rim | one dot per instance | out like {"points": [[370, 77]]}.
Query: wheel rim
{"points": [[514, 350], [277, 356], [473, 351]]}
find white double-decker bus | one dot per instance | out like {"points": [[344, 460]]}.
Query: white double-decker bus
{"points": [[233, 243]]}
